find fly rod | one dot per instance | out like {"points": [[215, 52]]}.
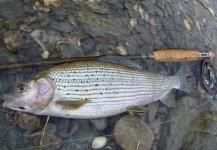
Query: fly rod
{"points": [[171, 55]]}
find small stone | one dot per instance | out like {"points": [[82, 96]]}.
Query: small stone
{"points": [[55, 3], [37, 4], [155, 125], [187, 25], [133, 22], [25, 28], [27, 121], [13, 39], [130, 130], [45, 55], [10, 25], [99, 123], [211, 11], [99, 142], [44, 9], [122, 50], [29, 20]]}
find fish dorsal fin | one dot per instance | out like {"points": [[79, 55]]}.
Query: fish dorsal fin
{"points": [[121, 60], [67, 104]]}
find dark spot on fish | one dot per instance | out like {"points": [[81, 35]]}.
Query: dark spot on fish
{"points": [[96, 84], [67, 114], [68, 81], [107, 69], [67, 93], [85, 99], [92, 75], [76, 90], [86, 75], [61, 72], [86, 90], [103, 74], [81, 81], [116, 92], [73, 79], [122, 84], [106, 89], [101, 93], [68, 75], [64, 86], [96, 71], [74, 71], [88, 68], [22, 108], [112, 71], [97, 79], [59, 79], [87, 81]]}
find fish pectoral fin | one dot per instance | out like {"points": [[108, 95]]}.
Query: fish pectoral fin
{"points": [[138, 109], [66, 104]]}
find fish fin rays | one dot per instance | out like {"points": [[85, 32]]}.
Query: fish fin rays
{"points": [[168, 99], [184, 86], [66, 104], [122, 61], [138, 109]]}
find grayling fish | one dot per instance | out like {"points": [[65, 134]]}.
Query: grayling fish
{"points": [[89, 89]]}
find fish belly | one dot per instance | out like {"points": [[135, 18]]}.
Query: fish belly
{"points": [[110, 88]]}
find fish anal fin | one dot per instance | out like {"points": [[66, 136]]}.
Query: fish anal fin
{"points": [[66, 104]]}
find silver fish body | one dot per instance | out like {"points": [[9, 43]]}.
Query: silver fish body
{"points": [[94, 89]]}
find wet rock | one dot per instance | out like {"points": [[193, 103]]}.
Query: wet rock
{"points": [[202, 132], [27, 121], [99, 123], [13, 39], [66, 127], [68, 48], [12, 10], [62, 27], [29, 20], [173, 132], [153, 108], [6, 56], [155, 125], [25, 28], [50, 142], [131, 132], [28, 53], [99, 142], [55, 3], [97, 8], [122, 50], [10, 25]]}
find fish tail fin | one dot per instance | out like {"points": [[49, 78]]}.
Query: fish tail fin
{"points": [[184, 86]]}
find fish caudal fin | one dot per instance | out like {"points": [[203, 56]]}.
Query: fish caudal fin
{"points": [[184, 86]]}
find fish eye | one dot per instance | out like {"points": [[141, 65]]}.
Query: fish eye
{"points": [[21, 87]]}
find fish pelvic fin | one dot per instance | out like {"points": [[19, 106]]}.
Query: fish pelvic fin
{"points": [[181, 74], [70, 105]]}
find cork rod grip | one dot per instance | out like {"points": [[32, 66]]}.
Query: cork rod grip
{"points": [[176, 55]]}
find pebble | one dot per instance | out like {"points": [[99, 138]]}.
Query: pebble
{"points": [[29, 20], [13, 39], [130, 132], [155, 125], [99, 142], [25, 28], [99, 123], [187, 25], [122, 50], [10, 25], [27, 121], [55, 3]]}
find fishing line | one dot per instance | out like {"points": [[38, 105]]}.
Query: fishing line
{"points": [[128, 131]]}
